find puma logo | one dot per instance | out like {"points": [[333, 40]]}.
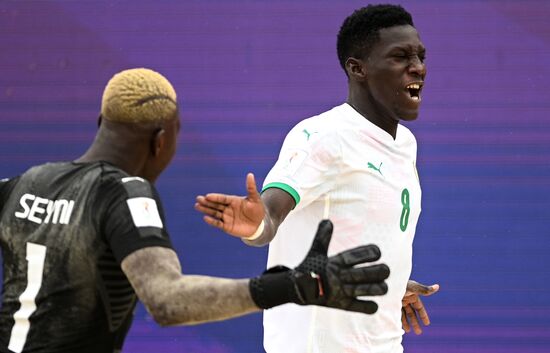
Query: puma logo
{"points": [[372, 166], [308, 134]]}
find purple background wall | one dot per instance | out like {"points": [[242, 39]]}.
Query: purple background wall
{"points": [[246, 71]]}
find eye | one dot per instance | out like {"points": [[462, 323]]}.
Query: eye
{"points": [[422, 56], [400, 56]]}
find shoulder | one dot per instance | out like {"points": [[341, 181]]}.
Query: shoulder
{"points": [[6, 186], [7, 181], [117, 181], [129, 200], [324, 126]]}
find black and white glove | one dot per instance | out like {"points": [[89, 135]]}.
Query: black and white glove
{"points": [[326, 281]]}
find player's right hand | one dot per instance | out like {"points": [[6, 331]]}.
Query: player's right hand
{"points": [[239, 216]]}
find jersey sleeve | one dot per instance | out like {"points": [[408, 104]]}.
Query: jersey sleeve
{"points": [[308, 163], [133, 216], [6, 186]]}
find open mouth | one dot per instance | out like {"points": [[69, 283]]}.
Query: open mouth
{"points": [[414, 90]]}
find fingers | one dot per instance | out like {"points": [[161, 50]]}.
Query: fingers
{"points": [[413, 312], [362, 306], [203, 201], [358, 255], [366, 274], [404, 321], [214, 222], [412, 319], [219, 198], [322, 238], [433, 289], [413, 308], [358, 290], [251, 188], [209, 211], [421, 312], [422, 289]]}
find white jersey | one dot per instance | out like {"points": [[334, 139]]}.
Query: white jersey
{"points": [[341, 166]]}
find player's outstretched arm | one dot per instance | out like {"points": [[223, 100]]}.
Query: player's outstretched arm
{"points": [[413, 308], [176, 299], [253, 218]]}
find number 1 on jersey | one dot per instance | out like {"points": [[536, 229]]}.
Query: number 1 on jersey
{"points": [[404, 221], [36, 255]]}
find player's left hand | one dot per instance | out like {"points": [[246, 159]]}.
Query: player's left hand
{"points": [[333, 282], [235, 215], [413, 308]]}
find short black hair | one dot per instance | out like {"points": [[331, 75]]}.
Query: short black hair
{"points": [[360, 30]]}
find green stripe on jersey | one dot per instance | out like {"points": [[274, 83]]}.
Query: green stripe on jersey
{"points": [[286, 188]]}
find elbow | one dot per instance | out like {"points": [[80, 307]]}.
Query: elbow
{"points": [[163, 320], [159, 313], [165, 316]]}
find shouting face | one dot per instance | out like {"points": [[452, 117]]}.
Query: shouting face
{"points": [[395, 73]]}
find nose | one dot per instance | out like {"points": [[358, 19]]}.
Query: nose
{"points": [[417, 66]]}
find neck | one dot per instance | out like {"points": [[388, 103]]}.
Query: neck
{"points": [[365, 105], [118, 146]]}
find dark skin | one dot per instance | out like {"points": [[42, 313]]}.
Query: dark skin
{"points": [[144, 149], [377, 86], [172, 298], [384, 87]]}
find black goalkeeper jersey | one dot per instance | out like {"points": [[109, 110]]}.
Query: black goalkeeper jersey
{"points": [[64, 229]]}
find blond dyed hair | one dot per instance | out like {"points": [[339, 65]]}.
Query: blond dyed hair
{"points": [[138, 96]]}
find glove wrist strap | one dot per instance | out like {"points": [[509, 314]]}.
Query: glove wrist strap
{"points": [[274, 287]]}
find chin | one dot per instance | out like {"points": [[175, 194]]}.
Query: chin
{"points": [[408, 116]]}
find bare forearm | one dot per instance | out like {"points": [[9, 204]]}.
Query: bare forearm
{"points": [[195, 299], [176, 299]]}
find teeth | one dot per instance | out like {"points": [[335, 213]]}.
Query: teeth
{"points": [[415, 98], [414, 86]]}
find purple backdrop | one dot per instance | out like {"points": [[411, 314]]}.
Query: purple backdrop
{"points": [[246, 71]]}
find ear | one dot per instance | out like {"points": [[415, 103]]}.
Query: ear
{"points": [[157, 141], [356, 69]]}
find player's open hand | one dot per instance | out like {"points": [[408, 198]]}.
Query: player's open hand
{"points": [[237, 215], [413, 308]]}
